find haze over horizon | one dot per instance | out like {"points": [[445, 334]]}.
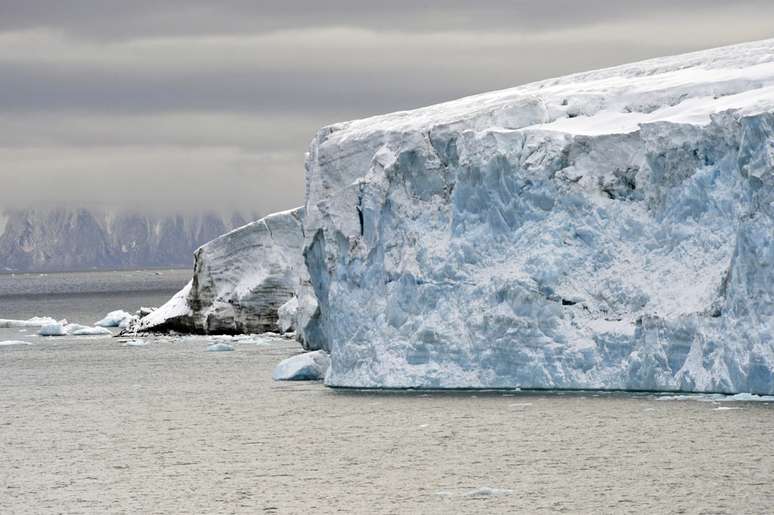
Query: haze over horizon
{"points": [[184, 105]]}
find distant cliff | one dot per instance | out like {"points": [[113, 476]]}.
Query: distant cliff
{"points": [[47, 240]]}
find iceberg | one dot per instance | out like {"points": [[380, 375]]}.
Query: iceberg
{"points": [[309, 366], [605, 230], [240, 282], [135, 342]]}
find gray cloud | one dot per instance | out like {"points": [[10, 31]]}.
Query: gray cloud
{"points": [[120, 19], [178, 103]]}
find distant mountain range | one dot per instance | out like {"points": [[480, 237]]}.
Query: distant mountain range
{"points": [[63, 239]]}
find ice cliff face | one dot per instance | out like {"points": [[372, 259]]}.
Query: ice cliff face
{"points": [[240, 282], [82, 239], [612, 229]]}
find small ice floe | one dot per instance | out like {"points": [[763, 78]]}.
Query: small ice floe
{"points": [[520, 405], [718, 397], [32, 322], [725, 408], [9, 343], [82, 330], [482, 492], [115, 319], [55, 329], [63, 328], [219, 347], [136, 342], [309, 366]]}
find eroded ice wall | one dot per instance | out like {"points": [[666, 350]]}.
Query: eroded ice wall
{"points": [[240, 282]]}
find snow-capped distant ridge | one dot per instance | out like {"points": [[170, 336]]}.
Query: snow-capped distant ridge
{"points": [[66, 239], [605, 230]]}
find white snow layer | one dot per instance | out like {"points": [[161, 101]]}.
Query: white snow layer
{"points": [[610, 229], [309, 366]]}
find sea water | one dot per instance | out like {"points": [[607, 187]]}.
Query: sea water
{"points": [[101, 425]]}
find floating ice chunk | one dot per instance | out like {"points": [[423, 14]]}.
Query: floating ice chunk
{"points": [[62, 328], [739, 397], [483, 491], [310, 366], [8, 343], [82, 330], [219, 347], [747, 397], [32, 322], [54, 329], [135, 343], [115, 319]]}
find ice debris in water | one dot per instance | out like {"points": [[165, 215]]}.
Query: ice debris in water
{"points": [[117, 318], [219, 347], [135, 343], [32, 322], [8, 343], [63, 328], [739, 397], [54, 329], [309, 366], [483, 491]]}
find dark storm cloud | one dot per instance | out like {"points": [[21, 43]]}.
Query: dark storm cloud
{"points": [[187, 102]]}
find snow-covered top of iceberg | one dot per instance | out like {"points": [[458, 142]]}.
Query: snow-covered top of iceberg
{"points": [[686, 88]]}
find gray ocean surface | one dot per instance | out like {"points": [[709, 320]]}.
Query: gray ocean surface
{"points": [[91, 425]]}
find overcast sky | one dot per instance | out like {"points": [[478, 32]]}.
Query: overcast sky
{"points": [[191, 104]]}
